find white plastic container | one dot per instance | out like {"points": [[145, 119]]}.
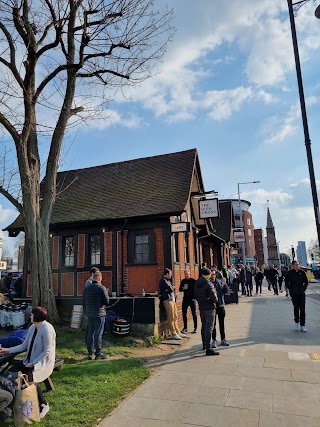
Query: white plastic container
{"points": [[76, 317]]}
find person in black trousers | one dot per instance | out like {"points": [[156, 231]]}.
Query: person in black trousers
{"points": [[258, 277], [297, 282], [187, 287], [249, 284], [207, 300], [221, 289]]}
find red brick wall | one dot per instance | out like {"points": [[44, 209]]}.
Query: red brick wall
{"points": [[82, 277], [125, 260], [54, 278], [108, 248], [143, 277], [81, 250], [55, 252], [107, 280], [67, 284]]}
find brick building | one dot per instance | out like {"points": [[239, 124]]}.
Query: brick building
{"points": [[259, 247], [119, 217]]}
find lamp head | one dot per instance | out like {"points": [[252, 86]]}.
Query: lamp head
{"points": [[317, 12]]}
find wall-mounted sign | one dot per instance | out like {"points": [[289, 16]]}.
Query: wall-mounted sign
{"points": [[238, 236], [177, 227], [208, 208], [3, 265]]}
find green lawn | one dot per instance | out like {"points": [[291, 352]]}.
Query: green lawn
{"points": [[87, 391]]}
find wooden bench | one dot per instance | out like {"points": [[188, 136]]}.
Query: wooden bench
{"points": [[48, 382]]}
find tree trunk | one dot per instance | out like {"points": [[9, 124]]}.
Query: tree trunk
{"points": [[37, 241]]}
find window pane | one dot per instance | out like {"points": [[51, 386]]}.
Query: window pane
{"points": [[142, 248], [95, 248], [69, 251]]}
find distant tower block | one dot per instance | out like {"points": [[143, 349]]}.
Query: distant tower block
{"points": [[272, 247]]}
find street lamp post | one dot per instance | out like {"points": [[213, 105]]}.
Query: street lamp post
{"points": [[243, 247], [304, 111]]}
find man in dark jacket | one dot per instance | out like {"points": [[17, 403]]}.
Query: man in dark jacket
{"points": [[94, 300], [273, 278], [297, 282], [221, 288], [207, 299], [187, 287]]}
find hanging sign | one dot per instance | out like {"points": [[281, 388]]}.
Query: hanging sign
{"points": [[208, 208], [238, 236], [3, 265], [177, 227]]}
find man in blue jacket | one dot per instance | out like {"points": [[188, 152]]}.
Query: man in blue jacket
{"points": [[94, 301]]}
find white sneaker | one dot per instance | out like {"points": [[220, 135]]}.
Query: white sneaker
{"points": [[176, 337], [182, 335], [44, 409], [296, 326], [304, 329]]}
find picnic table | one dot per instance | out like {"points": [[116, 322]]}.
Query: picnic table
{"points": [[8, 359]]}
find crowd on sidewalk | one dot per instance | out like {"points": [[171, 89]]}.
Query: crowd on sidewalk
{"points": [[209, 292]]}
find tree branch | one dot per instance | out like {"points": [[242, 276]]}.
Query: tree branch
{"points": [[52, 76], [11, 199], [99, 22], [103, 54], [9, 127], [76, 110], [12, 65], [98, 73]]}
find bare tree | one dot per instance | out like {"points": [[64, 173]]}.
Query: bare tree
{"points": [[60, 62]]}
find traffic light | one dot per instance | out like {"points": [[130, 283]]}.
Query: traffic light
{"points": [[293, 253], [312, 257]]}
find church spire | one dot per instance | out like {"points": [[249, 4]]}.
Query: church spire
{"points": [[269, 219]]}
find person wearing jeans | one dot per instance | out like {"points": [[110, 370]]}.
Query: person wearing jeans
{"points": [[297, 282], [94, 301], [187, 287], [221, 289]]}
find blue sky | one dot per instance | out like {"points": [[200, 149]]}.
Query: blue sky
{"points": [[226, 86]]}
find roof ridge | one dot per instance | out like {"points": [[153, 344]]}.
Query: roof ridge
{"points": [[130, 161]]}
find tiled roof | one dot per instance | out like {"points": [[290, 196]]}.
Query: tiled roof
{"points": [[146, 186], [223, 224]]}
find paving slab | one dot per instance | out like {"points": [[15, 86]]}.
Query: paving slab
{"points": [[296, 405], [247, 400], [269, 373], [197, 394], [145, 407], [218, 416], [268, 419]]}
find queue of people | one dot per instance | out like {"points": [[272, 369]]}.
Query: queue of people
{"points": [[212, 286]]}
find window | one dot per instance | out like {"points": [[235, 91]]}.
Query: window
{"points": [[250, 243], [249, 232], [69, 251], [248, 221], [95, 249], [142, 248]]}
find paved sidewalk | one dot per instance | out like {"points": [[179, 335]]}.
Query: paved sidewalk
{"points": [[265, 378]]}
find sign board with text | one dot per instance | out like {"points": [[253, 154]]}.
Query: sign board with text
{"points": [[209, 208], [3, 265], [177, 227], [238, 236]]}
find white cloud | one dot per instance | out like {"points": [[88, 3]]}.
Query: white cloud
{"points": [[7, 215], [289, 125], [261, 196]]}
